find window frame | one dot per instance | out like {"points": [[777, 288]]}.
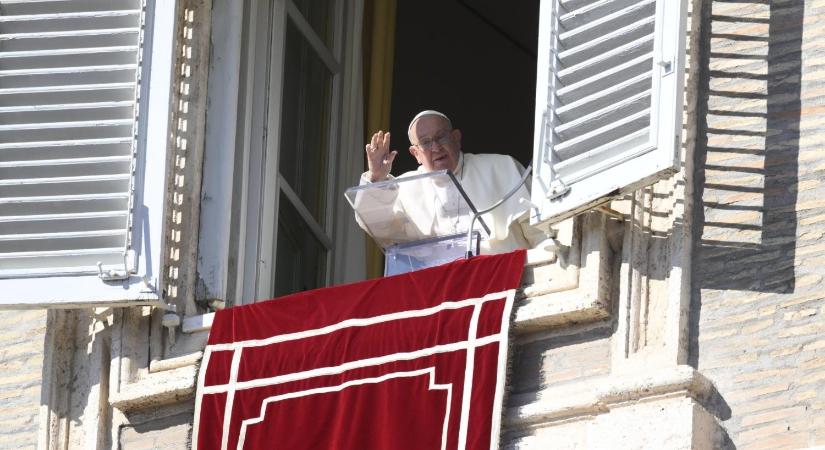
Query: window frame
{"points": [[144, 283], [285, 11], [236, 255]]}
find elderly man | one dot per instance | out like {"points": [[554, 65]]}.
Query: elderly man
{"points": [[486, 178]]}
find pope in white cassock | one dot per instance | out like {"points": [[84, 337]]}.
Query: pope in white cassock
{"points": [[486, 178]]}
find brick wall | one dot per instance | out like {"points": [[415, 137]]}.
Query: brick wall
{"points": [[758, 272], [21, 365], [556, 358], [164, 428]]}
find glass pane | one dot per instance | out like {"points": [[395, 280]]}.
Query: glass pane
{"points": [[300, 260], [305, 123], [409, 209], [318, 14]]}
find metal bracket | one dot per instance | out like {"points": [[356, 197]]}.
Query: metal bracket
{"points": [[667, 67], [557, 189], [129, 268], [111, 274]]}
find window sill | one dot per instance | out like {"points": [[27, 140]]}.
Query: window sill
{"points": [[560, 286]]}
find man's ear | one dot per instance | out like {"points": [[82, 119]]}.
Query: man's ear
{"points": [[457, 137], [414, 152]]}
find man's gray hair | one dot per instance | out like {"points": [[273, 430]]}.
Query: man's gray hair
{"points": [[428, 112]]}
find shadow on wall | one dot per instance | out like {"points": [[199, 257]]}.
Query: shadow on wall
{"points": [[748, 146]]}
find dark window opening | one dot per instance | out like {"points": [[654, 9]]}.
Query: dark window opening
{"points": [[474, 60]]}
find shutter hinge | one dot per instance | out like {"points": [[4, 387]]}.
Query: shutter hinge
{"points": [[667, 67], [557, 189], [129, 267]]}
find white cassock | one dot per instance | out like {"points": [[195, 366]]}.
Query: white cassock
{"points": [[414, 211]]}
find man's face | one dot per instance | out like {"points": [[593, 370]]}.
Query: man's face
{"points": [[435, 145]]}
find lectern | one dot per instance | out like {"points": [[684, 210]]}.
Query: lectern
{"points": [[418, 221]]}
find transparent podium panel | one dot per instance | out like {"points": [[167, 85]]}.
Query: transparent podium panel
{"points": [[413, 208], [406, 257]]}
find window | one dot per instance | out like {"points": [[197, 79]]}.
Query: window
{"points": [[302, 241], [608, 100], [608, 120], [292, 159], [84, 108]]}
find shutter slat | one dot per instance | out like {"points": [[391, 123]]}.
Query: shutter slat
{"points": [[55, 223], [75, 76], [115, 60], [613, 60], [578, 15], [50, 146], [68, 94], [65, 243], [640, 30], [88, 113], [68, 132], [69, 179], [68, 70], [111, 38], [67, 88], [65, 161], [78, 124], [115, 252], [618, 19], [68, 34], [68, 199], [593, 162], [67, 51], [64, 106], [59, 217], [61, 235], [68, 15], [602, 117], [602, 98], [604, 135], [39, 24], [60, 261], [634, 70], [24, 7], [115, 184]]}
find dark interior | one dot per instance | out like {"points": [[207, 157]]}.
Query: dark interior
{"points": [[474, 60]]}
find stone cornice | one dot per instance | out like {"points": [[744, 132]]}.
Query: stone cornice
{"points": [[598, 396]]}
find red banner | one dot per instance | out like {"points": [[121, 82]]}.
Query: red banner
{"points": [[415, 361]]}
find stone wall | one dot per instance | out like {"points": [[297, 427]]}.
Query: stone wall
{"points": [[22, 336], [758, 288]]}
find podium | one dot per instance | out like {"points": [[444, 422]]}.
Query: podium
{"points": [[418, 221]]}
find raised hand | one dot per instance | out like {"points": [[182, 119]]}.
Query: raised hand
{"points": [[379, 156]]}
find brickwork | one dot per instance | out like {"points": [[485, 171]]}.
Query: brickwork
{"points": [[552, 360], [163, 432], [21, 366], [758, 276]]}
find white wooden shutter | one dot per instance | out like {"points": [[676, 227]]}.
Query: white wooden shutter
{"points": [[84, 111], [608, 100]]}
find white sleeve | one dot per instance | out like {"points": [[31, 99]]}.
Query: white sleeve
{"points": [[380, 209]]}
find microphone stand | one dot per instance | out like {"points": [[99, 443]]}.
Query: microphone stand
{"points": [[524, 176]]}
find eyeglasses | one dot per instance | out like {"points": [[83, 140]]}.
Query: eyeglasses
{"points": [[428, 143]]}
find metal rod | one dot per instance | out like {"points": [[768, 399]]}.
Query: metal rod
{"points": [[524, 176]]}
